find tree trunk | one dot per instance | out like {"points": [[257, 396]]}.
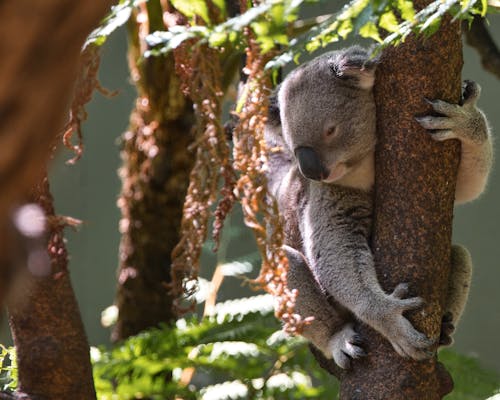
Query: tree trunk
{"points": [[414, 196], [40, 51], [155, 177], [52, 349]]}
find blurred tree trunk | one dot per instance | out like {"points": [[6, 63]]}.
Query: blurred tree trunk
{"points": [[40, 54], [52, 349], [155, 177], [414, 196]]}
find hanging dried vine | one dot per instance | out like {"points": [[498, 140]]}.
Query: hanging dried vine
{"points": [[200, 69], [87, 81], [260, 212]]}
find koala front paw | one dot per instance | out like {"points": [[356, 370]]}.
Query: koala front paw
{"points": [[344, 346], [463, 122], [404, 338]]}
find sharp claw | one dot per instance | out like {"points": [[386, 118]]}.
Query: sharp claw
{"points": [[356, 340], [429, 353]]}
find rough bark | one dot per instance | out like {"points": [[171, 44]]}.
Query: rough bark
{"points": [[155, 176], [51, 345], [415, 183], [40, 53]]}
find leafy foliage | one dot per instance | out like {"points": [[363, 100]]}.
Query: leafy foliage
{"points": [[238, 353], [272, 22], [8, 369], [118, 16], [239, 349], [388, 22]]}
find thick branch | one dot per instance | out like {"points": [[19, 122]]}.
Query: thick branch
{"points": [[479, 37], [415, 182], [52, 349]]}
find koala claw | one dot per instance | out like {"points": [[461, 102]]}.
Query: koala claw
{"points": [[408, 342], [444, 108], [344, 346], [401, 302], [447, 329], [401, 291], [404, 338], [471, 92], [440, 128], [457, 121]]}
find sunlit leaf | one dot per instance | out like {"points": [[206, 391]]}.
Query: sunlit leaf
{"points": [[192, 8], [389, 22], [370, 30], [221, 5], [118, 16], [406, 9], [345, 28]]}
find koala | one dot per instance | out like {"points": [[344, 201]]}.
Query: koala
{"points": [[321, 135]]}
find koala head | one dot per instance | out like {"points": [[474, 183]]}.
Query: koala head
{"points": [[327, 112]]}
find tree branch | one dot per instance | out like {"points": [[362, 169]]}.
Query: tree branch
{"points": [[51, 346], [478, 37]]}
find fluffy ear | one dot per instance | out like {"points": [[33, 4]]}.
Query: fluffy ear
{"points": [[355, 64]]}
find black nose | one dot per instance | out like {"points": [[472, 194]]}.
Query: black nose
{"points": [[310, 164]]}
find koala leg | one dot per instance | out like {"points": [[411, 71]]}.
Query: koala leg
{"points": [[458, 291], [330, 331]]}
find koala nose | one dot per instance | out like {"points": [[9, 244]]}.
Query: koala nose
{"points": [[310, 164]]}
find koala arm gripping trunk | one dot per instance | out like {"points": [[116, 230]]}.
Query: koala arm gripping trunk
{"points": [[337, 247], [468, 124]]}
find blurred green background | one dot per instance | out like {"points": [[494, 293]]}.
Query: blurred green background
{"points": [[89, 189]]}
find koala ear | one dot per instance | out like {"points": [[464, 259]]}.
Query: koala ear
{"points": [[356, 65]]}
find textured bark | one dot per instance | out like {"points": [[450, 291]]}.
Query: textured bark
{"points": [[415, 183], [52, 348], [155, 176]]}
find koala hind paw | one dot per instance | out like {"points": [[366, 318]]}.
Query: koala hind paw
{"points": [[344, 346], [447, 329]]}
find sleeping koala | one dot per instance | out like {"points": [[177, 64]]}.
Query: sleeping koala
{"points": [[321, 135]]}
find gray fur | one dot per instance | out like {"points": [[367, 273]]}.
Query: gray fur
{"points": [[327, 106]]}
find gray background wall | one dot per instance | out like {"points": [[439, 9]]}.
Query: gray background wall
{"points": [[89, 189]]}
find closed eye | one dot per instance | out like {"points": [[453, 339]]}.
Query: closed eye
{"points": [[330, 132]]}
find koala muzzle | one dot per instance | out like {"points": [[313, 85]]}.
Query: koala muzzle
{"points": [[310, 164]]}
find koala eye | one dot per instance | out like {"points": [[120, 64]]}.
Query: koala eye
{"points": [[330, 132]]}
